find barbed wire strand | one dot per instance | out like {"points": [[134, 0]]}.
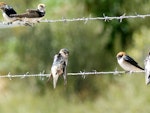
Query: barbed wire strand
{"points": [[85, 19], [83, 74], [105, 18]]}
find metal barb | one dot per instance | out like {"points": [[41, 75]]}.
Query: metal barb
{"points": [[42, 75], [86, 20], [64, 19], [83, 74], [95, 72], [122, 17], [9, 76], [25, 75], [105, 17], [116, 71]]}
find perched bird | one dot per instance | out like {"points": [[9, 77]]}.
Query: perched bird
{"points": [[127, 63], [31, 15], [147, 69], [7, 11], [59, 66]]}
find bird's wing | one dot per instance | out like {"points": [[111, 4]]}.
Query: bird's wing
{"points": [[39, 13], [131, 61], [31, 10], [11, 10], [65, 73], [32, 14], [58, 63]]}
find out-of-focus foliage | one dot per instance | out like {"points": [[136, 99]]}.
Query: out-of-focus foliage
{"points": [[120, 32], [93, 47]]}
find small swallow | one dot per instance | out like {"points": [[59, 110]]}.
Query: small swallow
{"points": [[147, 69], [7, 11], [32, 15], [59, 66], [127, 63]]}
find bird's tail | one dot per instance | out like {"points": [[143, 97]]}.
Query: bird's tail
{"points": [[147, 77], [19, 15], [65, 79], [55, 78]]}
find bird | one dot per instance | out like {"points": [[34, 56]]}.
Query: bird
{"points": [[128, 63], [59, 66], [147, 69], [31, 15], [7, 11]]}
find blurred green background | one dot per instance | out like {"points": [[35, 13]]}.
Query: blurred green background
{"points": [[92, 46]]}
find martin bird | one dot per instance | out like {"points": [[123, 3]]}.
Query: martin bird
{"points": [[7, 11], [127, 63], [147, 69], [31, 15], [59, 66]]}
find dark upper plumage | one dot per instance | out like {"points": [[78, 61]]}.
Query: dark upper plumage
{"points": [[32, 13], [7, 9]]}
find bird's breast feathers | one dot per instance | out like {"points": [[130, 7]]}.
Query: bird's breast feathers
{"points": [[127, 66], [6, 17], [57, 69]]}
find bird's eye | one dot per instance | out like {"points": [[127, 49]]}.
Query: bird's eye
{"points": [[119, 56]]}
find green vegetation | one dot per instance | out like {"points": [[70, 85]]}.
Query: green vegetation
{"points": [[92, 46]]}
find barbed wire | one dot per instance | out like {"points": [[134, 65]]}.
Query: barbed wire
{"points": [[105, 18], [83, 74], [84, 19]]}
